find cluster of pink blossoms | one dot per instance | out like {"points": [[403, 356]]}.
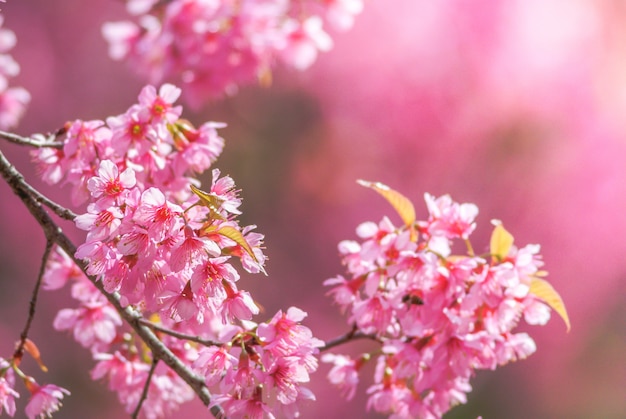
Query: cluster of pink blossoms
{"points": [[13, 100], [437, 315], [212, 46], [166, 247]]}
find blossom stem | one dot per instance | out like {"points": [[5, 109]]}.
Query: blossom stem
{"points": [[54, 233]]}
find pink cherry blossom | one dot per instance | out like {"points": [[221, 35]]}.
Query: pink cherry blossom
{"points": [[100, 223], [250, 408], [303, 42], [212, 362], [167, 391], [93, 324], [101, 256], [159, 216], [44, 400], [13, 100], [110, 184], [449, 218], [120, 371], [85, 141], [341, 13], [180, 302], [160, 105], [198, 148], [7, 393], [192, 250], [130, 132], [343, 374], [59, 270], [238, 304]]}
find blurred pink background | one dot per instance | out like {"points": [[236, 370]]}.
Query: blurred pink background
{"points": [[518, 106]]}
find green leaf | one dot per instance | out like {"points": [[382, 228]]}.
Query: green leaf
{"points": [[236, 236], [399, 202], [501, 241], [542, 289]]}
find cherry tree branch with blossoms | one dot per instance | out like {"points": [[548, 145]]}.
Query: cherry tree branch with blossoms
{"points": [[55, 234], [157, 258], [159, 301]]}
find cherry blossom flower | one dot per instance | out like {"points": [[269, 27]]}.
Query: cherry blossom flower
{"points": [[212, 362], [160, 105], [13, 100], [159, 216], [304, 41], [59, 270], [343, 374], [7, 393], [449, 218], [100, 223], [238, 304], [110, 184], [44, 400], [93, 324]]}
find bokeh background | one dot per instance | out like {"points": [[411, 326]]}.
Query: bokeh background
{"points": [[518, 106]]}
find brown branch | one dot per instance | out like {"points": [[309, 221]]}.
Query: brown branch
{"points": [[178, 335], [54, 233]]}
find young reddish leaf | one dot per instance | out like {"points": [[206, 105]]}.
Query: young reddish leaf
{"points": [[542, 289], [501, 241], [399, 202], [236, 236], [31, 348]]}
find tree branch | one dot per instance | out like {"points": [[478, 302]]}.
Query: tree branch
{"points": [[144, 393], [19, 350], [54, 233], [9, 170], [33, 142]]}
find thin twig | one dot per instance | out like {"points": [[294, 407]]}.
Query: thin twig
{"points": [[178, 335], [19, 350], [32, 142], [346, 337], [144, 393], [59, 210], [54, 232]]}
